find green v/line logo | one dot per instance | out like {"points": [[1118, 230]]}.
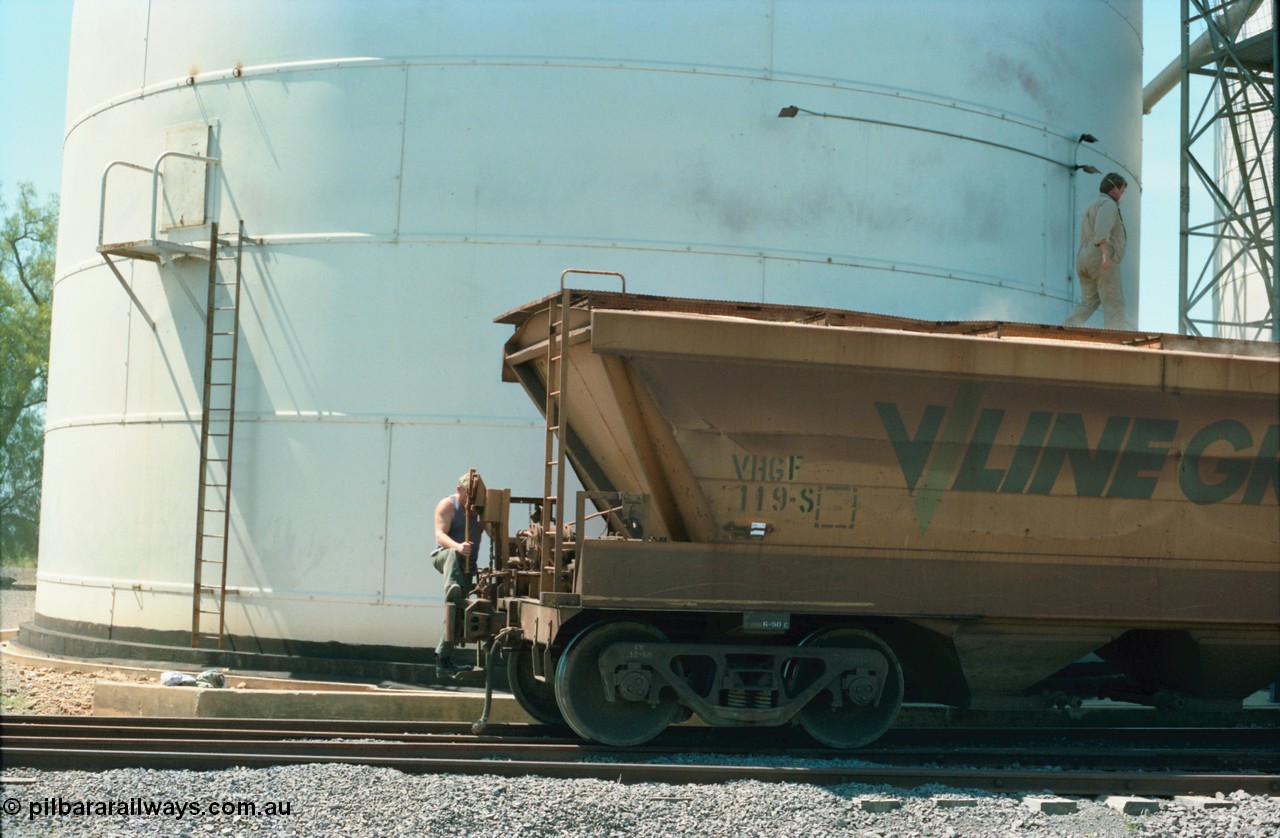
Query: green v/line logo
{"points": [[951, 449], [913, 454]]}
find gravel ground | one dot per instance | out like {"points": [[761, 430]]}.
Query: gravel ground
{"points": [[37, 690], [30, 689], [358, 800]]}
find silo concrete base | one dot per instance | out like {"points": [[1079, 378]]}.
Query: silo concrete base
{"points": [[331, 660]]}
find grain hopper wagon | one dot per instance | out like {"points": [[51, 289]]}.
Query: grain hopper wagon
{"points": [[812, 515]]}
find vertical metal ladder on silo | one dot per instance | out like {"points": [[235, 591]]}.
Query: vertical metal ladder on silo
{"points": [[554, 509], [217, 424]]}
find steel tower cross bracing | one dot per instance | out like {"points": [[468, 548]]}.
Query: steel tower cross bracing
{"points": [[1238, 110]]}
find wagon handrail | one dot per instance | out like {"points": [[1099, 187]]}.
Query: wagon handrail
{"points": [[592, 273]]}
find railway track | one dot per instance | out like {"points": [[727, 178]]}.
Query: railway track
{"points": [[1157, 762]]}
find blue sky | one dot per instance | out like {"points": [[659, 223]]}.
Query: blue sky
{"points": [[34, 47]]}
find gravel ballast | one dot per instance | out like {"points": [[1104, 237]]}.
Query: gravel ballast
{"points": [[357, 800]]}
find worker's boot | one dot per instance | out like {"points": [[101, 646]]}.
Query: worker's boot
{"points": [[446, 669]]}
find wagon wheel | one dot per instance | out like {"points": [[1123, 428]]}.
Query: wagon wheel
{"points": [[858, 719], [640, 708], [538, 698]]}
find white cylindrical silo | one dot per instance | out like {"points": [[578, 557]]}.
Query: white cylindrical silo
{"points": [[409, 170]]}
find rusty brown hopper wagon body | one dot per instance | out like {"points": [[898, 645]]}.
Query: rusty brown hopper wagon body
{"points": [[960, 509]]}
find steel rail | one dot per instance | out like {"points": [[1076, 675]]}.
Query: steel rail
{"points": [[89, 743], [479, 748], [1085, 783], [1259, 746], [934, 736]]}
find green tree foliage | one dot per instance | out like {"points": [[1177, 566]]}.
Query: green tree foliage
{"points": [[27, 238]]}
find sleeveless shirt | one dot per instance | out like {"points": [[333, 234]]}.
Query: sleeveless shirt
{"points": [[457, 529]]}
